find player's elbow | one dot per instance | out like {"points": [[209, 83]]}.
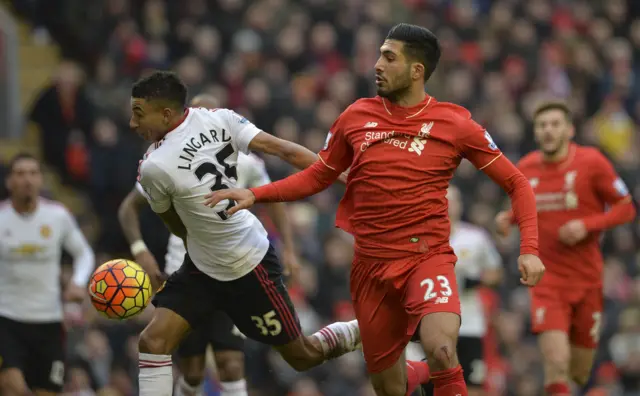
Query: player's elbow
{"points": [[631, 211], [126, 209]]}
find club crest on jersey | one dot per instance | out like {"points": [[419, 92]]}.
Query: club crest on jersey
{"points": [[326, 142], [425, 131], [570, 180], [492, 145], [45, 231]]}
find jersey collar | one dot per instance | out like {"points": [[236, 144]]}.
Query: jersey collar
{"points": [[176, 126], [407, 112]]}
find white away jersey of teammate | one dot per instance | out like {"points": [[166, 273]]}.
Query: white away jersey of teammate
{"points": [[251, 173], [199, 156], [476, 253], [30, 250]]}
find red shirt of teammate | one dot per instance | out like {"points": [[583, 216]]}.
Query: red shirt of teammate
{"points": [[573, 186], [401, 159]]}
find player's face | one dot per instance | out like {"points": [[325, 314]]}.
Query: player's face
{"points": [[25, 179], [455, 204], [149, 120], [553, 131], [393, 70]]}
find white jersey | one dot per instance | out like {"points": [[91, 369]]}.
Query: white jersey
{"points": [[476, 253], [251, 173], [30, 249], [199, 156]]}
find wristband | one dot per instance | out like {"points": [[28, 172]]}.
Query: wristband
{"points": [[138, 247]]}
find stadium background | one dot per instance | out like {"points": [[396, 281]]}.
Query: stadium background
{"points": [[291, 67]]}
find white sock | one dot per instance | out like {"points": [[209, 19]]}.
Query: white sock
{"points": [[339, 338], [183, 388], [235, 388], [156, 375]]}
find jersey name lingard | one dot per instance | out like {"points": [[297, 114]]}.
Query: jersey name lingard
{"points": [[199, 156]]}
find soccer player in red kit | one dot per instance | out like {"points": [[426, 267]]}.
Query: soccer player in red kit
{"points": [[402, 148], [573, 186]]}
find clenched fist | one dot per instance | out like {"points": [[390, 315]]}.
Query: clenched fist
{"points": [[531, 269]]}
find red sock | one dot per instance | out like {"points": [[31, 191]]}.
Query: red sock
{"points": [[417, 374], [449, 383], [558, 389]]}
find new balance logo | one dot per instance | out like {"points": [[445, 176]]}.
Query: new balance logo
{"points": [[442, 300], [370, 124]]}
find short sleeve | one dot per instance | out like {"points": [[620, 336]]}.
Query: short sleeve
{"points": [[337, 153], [477, 145], [156, 186], [609, 186], [242, 130]]}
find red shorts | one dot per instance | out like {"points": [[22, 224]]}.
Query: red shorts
{"points": [[577, 312], [391, 297]]}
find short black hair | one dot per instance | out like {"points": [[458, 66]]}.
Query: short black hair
{"points": [[161, 85], [19, 157], [420, 44], [553, 105]]}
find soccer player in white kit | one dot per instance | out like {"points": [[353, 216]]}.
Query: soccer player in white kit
{"points": [[33, 233], [220, 332], [230, 264], [479, 264]]}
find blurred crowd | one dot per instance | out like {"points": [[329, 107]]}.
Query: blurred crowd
{"points": [[291, 67]]}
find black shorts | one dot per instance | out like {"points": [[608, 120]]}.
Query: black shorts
{"points": [[257, 303], [37, 349], [220, 333], [471, 356]]}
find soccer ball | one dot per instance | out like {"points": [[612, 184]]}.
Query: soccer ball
{"points": [[120, 289]]}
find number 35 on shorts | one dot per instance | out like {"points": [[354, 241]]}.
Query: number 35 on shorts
{"points": [[438, 289], [268, 324]]}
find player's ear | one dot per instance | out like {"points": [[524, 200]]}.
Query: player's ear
{"points": [[572, 131], [417, 71], [167, 115]]}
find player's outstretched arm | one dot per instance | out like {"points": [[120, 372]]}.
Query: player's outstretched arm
{"points": [[523, 201], [300, 185], [128, 216], [84, 261], [293, 153]]}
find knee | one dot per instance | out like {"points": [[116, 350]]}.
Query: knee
{"points": [[556, 361], [12, 384], [154, 343], [389, 388], [230, 367], [193, 377], [441, 351]]}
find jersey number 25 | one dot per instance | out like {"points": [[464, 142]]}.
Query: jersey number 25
{"points": [[209, 168]]}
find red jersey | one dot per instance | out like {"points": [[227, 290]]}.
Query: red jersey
{"points": [[401, 161], [579, 187]]}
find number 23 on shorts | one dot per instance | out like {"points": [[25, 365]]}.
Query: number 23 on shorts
{"points": [[440, 285]]}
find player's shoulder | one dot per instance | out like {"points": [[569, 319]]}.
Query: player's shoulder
{"points": [[589, 154], [363, 107], [454, 118], [54, 208], [533, 158], [5, 206]]}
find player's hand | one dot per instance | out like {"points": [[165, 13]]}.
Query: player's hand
{"points": [[150, 265], [291, 264], [74, 293], [573, 232], [531, 269], [503, 223], [343, 177], [244, 198]]}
